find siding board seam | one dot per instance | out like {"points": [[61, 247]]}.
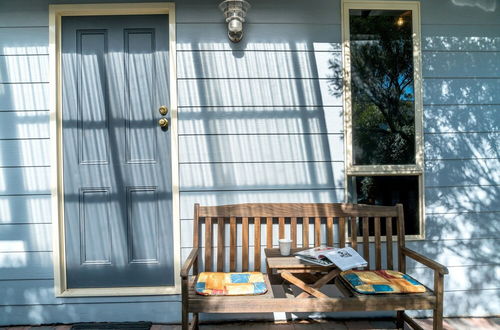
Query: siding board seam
{"points": [[461, 186], [457, 104], [263, 162], [460, 159], [259, 134], [328, 188], [456, 78]]}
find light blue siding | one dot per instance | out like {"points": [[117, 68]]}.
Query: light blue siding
{"points": [[461, 64], [461, 118], [269, 37], [17, 266], [260, 176], [260, 148], [30, 152], [462, 145], [24, 68], [24, 125], [454, 91], [259, 92], [24, 40], [261, 121], [25, 181], [24, 96], [26, 237], [24, 209], [459, 199], [258, 64], [462, 172], [461, 37]]}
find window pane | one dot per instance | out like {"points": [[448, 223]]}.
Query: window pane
{"points": [[389, 190], [383, 100]]}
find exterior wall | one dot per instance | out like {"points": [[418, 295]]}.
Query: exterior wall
{"points": [[258, 122]]}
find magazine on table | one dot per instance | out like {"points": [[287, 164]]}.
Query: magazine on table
{"points": [[344, 258]]}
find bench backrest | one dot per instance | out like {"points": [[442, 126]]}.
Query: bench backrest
{"points": [[256, 226]]}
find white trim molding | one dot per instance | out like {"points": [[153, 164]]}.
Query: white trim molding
{"points": [[416, 169], [56, 12]]}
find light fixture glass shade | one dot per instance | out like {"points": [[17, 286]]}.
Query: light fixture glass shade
{"points": [[235, 25], [234, 12]]}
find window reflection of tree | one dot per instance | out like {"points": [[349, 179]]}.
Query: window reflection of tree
{"points": [[382, 88]]}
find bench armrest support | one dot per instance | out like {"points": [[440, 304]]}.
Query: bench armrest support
{"points": [[424, 260], [188, 264]]}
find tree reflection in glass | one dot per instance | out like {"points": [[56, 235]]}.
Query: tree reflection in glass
{"points": [[382, 93]]}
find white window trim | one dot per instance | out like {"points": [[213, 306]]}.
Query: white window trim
{"points": [[56, 12], [385, 170]]}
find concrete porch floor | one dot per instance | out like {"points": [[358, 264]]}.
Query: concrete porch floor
{"points": [[450, 323]]}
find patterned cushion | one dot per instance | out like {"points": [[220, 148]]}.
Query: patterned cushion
{"points": [[381, 281], [230, 284]]}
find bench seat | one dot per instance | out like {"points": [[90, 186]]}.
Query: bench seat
{"points": [[338, 223]]}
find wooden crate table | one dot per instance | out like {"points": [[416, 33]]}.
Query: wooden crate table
{"points": [[287, 266]]}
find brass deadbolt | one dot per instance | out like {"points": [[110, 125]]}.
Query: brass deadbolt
{"points": [[163, 110]]}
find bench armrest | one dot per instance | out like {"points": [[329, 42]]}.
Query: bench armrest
{"points": [[189, 262], [424, 260]]}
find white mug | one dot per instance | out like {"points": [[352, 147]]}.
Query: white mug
{"points": [[285, 246]]}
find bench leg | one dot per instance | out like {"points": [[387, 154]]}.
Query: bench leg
{"points": [[185, 310], [437, 315], [400, 321], [196, 320]]}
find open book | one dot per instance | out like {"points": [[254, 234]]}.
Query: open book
{"points": [[344, 258]]}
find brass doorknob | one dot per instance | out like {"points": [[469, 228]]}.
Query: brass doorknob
{"points": [[163, 122], [163, 110]]}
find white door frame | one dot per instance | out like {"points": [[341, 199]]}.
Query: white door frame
{"points": [[56, 12]]}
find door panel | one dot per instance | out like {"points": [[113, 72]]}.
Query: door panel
{"points": [[117, 166]]}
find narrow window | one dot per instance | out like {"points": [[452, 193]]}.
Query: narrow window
{"points": [[383, 108]]}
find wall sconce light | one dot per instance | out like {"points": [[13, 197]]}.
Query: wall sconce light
{"points": [[235, 12]]}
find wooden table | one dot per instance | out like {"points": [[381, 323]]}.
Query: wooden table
{"points": [[286, 266]]}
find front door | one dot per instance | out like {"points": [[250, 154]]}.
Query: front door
{"points": [[117, 166]]}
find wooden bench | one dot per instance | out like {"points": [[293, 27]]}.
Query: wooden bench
{"points": [[302, 223]]}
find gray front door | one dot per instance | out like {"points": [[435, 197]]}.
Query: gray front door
{"points": [[117, 166]]}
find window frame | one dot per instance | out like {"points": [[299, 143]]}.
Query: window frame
{"points": [[416, 169]]}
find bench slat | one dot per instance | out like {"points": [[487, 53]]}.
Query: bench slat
{"points": [[269, 232], [329, 231], [366, 241], [305, 232], [388, 231], [342, 232], [244, 242], [354, 233], [208, 244], [299, 210], [378, 253], [401, 238], [317, 231], [293, 232], [220, 244], [256, 245], [232, 244], [281, 231]]}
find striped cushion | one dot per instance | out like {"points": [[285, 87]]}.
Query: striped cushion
{"points": [[381, 281], [230, 284]]}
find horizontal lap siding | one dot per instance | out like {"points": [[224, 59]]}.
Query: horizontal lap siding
{"points": [[462, 168], [261, 120]]}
